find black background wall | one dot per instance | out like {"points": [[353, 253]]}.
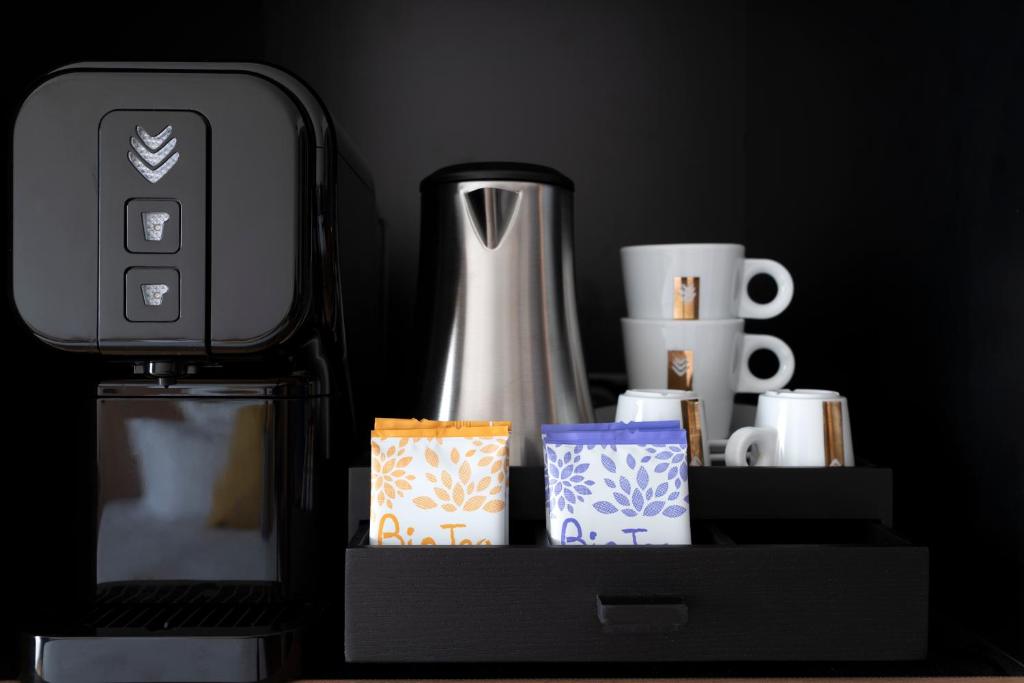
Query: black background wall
{"points": [[874, 148]]}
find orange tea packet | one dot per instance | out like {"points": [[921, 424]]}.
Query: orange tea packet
{"points": [[439, 482]]}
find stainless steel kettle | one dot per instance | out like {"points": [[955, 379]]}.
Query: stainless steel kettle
{"points": [[497, 301]]}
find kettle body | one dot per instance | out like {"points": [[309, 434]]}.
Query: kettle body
{"points": [[497, 301]]}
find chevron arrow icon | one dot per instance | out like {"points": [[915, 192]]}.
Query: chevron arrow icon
{"points": [[153, 155]]}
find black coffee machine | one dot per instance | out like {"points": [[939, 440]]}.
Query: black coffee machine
{"points": [[194, 227]]}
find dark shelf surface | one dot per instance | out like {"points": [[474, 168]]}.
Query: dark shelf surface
{"points": [[954, 653]]}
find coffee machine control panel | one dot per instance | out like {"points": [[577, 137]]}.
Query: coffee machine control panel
{"points": [[167, 210], [153, 226]]}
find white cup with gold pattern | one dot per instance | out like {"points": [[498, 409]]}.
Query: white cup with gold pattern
{"points": [[699, 282], [799, 428], [708, 357], [653, 405]]}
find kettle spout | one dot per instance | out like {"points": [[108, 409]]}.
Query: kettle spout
{"points": [[492, 210]]}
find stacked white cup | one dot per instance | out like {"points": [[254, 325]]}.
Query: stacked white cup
{"points": [[686, 305]]}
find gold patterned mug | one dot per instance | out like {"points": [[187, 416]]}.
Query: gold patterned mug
{"points": [[699, 282], [798, 428], [652, 405], [708, 357]]}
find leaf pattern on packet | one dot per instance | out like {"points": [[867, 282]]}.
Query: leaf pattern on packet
{"points": [[648, 487]]}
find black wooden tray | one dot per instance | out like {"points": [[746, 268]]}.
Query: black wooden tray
{"points": [[826, 584], [716, 493]]}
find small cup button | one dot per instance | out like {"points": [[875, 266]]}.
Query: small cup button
{"points": [[151, 294]]}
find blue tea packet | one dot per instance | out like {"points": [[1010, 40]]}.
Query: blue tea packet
{"points": [[616, 483]]}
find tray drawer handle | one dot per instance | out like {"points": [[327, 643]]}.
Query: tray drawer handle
{"points": [[641, 613]]}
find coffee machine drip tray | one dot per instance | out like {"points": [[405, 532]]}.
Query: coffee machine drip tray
{"points": [[160, 607], [199, 631]]}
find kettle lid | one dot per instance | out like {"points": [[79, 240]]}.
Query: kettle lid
{"points": [[497, 170]]}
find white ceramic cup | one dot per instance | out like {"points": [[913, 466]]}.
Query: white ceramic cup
{"points": [[708, 357], [651, 405], [799, 428], [699, 282], [685, 407]]}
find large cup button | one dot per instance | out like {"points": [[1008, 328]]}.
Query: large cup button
{"points": [[152, 226]]}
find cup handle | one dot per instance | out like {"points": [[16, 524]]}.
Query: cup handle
{"points": [[783, 282], [750, 384], [765, 439]]}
